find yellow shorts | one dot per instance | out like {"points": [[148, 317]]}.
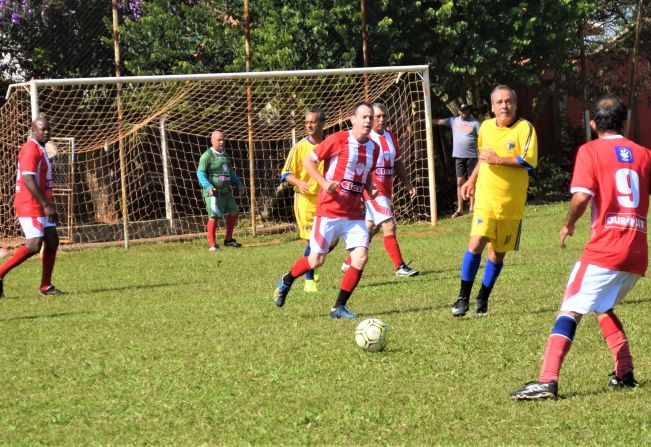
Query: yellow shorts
{"points": [[504, 235], [304, 209]]}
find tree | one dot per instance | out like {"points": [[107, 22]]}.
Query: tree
{"points": [[180, 37]]}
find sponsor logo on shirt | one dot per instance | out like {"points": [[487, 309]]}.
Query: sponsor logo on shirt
{"points": [[360, 168], [480, 221], [626, 222], [384, 172], [624, 154], [387, 155], [223, 178], [352, 187]]}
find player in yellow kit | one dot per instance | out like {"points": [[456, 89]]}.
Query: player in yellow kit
{"points": [[305, 188], [508, 150]]}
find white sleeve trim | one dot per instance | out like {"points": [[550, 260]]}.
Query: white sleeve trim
{"points": [[580, 189], [314, 157], [28, 172]]}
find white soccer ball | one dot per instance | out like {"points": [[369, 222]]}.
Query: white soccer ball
{"points": [[370, 335]]}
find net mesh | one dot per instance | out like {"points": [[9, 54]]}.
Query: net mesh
{"points": [[158, 129]]}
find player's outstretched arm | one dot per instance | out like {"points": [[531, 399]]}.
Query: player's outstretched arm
{"points": [[578, 205]]}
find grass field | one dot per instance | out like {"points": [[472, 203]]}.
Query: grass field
{"points": [[171, 344]]}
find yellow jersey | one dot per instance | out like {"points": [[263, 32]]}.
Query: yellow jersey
{"points": [[294, 165], [501, 191]]}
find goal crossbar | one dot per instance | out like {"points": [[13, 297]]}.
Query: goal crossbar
{"points": [[216, 76]]}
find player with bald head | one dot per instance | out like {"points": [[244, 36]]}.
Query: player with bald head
{"points": [[34, 205], [218, 179]]}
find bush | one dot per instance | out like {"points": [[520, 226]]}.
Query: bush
{"points": [[550, 181]]}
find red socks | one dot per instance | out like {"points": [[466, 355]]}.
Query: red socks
{"points": [[391, 246], [231, 219], [350, 279], [210, 229], [19, 256], [48, 266], [615, 337], [300, 267], [557, 347]]}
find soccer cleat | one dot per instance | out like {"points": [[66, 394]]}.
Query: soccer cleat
{"points": [[310, 286], [50, 291], [404, 271], [627, 381], [460, 307], [213, 247], [342, 312], [232, 243], [536, 390], [280, 294], [481, 309], [2, 292], [344, 267]]}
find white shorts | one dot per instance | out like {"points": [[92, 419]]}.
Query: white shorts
{"points": [[378, 210], [34, 226], [326, 230], [596, 289]]}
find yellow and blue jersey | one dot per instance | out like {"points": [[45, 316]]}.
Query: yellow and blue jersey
{"points": [[294, 165], [501, 191]]}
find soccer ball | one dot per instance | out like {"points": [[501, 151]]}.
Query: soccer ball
{"points": [[370, 335]]}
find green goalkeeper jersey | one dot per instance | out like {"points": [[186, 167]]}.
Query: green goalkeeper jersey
{"points": [[217, 170]]}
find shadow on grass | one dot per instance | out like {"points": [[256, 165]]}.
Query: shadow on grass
{"points": [[365, 315], [626, 302], [45, 317], [137, 287], [601, 391]]}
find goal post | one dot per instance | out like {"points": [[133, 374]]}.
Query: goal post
{"points": [[139, 139]]}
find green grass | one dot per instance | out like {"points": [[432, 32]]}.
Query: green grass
{"points": [[171, 344]]}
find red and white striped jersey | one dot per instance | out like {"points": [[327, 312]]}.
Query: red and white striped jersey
{"points": [[384, 167], [348, 162], [32, 159]]}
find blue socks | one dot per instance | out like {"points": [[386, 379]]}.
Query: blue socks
{"points": [[309, 276], [491, 272], [469, 266]]}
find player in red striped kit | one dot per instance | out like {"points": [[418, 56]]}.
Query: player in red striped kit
{"points": [[349, 158], [379, 210], [614, 175], [35, 208]]}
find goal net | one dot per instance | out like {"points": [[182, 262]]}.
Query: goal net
{"points": [[125, 150]]}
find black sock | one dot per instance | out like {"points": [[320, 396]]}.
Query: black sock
{"points": [[484, 293], [342, 299], [288, 279], [465, 289]]}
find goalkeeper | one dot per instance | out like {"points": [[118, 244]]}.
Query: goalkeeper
{"points": [[305, 188], [217, 179]]}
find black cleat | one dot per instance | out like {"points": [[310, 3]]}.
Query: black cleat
{"points": [[627, 381], [51, 291], [481, 309], [460, 308], [2, 292], [536, 390], [232, 243]]}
